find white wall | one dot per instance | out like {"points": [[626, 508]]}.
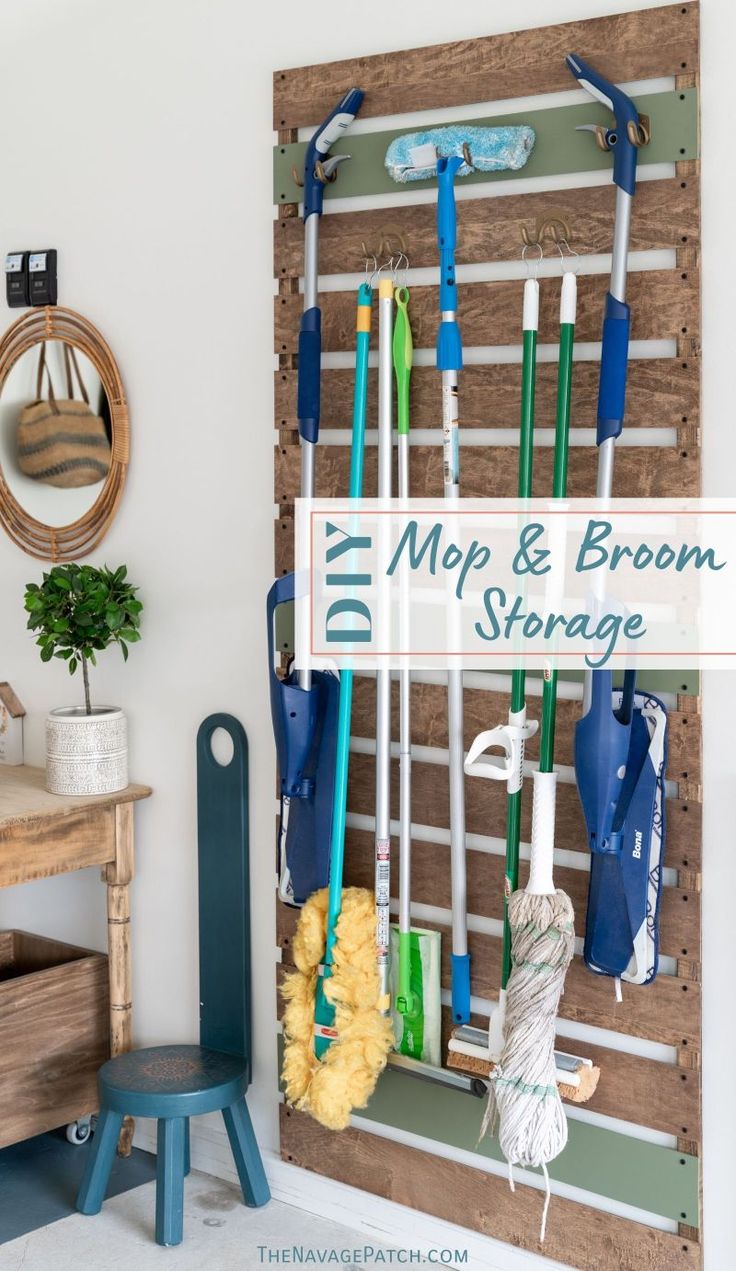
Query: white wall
{"points": [[137, 141]]}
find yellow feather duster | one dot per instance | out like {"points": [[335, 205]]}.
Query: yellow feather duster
{"points": [[331, 1087]]}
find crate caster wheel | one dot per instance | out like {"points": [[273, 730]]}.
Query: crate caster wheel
{"points": [[78, 1132]]}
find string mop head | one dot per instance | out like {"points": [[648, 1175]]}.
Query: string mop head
{"points": [[525, 1099], [345, 1078]]}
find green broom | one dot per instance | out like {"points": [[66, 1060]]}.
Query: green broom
{"points": [[415, 953]]}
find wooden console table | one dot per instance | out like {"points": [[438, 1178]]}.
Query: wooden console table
{"points": [[43, 834]]}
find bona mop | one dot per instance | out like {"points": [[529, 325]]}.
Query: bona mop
{"points": [[415, 951], [470, 1049], [336, 1038], [450, 152], [621, 739], [304, 705]]}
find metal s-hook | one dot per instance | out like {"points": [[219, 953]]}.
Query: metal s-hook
{"points": [[572, 257], [532, 266]]}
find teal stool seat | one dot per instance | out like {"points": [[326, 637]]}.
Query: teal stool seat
{"points": [[172, 1083]]}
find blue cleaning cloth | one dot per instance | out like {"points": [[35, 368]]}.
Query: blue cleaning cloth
{"points": [[491, 150]]}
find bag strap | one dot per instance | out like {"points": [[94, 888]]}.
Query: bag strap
{"points": [[71, 363], [43, 366]]}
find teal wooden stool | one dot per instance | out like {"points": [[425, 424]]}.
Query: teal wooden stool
{"points": [[174, 1083]]}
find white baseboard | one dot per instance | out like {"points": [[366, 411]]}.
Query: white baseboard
{"points": [[378, 1220]]}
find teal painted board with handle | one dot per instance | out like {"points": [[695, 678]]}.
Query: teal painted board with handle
{"points": [[224, 891]]}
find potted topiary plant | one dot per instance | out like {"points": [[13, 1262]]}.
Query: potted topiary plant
{"points": [[78, 611]]}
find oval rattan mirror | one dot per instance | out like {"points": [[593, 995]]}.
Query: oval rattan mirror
{"points": [[64, 434]]}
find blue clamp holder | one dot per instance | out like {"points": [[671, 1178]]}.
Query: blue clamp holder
{"points": [[630, 132]]}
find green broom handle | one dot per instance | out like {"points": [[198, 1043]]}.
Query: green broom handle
{"points": [[405, 1002], [568, 302], [518, 679]]}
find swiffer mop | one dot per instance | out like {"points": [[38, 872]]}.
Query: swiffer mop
{"points": [[415, 960], [304, 705], [337, 1036], [621, 740], [470, 1049], [451, 152]]}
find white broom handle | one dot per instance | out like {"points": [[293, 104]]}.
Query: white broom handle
{"points": [[383, 677], [541, 882]]}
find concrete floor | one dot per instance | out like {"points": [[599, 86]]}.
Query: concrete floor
{"points": [[220, 1233]]}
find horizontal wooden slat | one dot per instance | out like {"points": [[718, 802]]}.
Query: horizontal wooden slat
{"points": [[492, 472], [430, 885], [665, 214], [485, 708], [663, 301], [485, 809], [623, 47], [641, 1091], [660, 392], [577, 1235], [668, 1010]]}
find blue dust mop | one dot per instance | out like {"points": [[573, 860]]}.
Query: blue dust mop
{"points": [[620, 761], [414, 156]]}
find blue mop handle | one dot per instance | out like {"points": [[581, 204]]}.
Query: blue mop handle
{"points": [[460, 972], [308, 374], [619, 138], [614, 365], [310, 331], [449, 345], [329, 131], [623, 140]]}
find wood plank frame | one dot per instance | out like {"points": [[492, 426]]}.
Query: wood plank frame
{"points": [[663, 392]]}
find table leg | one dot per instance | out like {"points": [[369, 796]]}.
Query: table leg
{"points": [[118, 875]]}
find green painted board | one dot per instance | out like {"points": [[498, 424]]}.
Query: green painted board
{"points": [[656, 1179], [559, 148], [687, 681]]}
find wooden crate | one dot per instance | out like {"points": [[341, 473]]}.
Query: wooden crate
{"points": [[54, 1033]]}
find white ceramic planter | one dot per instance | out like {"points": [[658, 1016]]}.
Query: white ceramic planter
{"points": [[86, 754]]}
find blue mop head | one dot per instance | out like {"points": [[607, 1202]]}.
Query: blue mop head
{"points": [[414, 156]]}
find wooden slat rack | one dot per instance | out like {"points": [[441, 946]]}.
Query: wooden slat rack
{"points": [[649, 1045]]}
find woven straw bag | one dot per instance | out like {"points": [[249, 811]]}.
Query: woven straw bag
{"points": [[60, 441]]}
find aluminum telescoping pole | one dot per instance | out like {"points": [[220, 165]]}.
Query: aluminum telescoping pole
{"points": [[623, 141], [319, 165]]}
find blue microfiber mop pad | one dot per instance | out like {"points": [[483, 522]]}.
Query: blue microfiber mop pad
{"points": [[413, 157]]}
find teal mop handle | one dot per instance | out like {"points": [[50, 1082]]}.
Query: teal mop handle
{"points": [[337, 842], [324, 1013]]}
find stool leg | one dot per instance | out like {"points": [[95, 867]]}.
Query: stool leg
{"points": [[170, 1180], [247, 1156], [99, 1162], [187, 1149]]}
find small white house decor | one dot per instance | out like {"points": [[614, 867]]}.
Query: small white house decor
{"points": [[11, 726], [77, 611]]}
